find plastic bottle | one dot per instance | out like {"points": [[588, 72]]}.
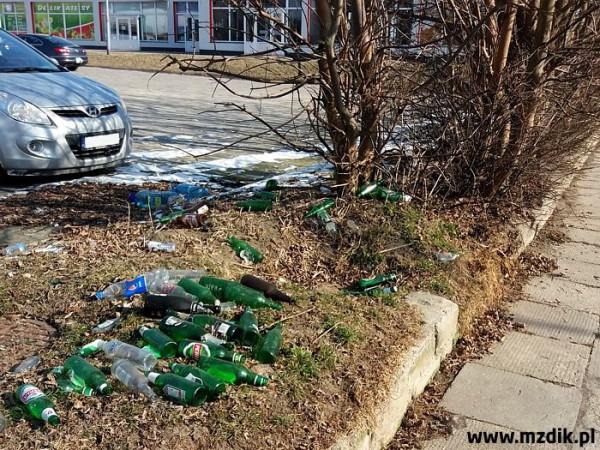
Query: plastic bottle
{"points": [[37, 404], [49, 249], [116, 349], [179, 389], [19, 248], [155, 199], [82, 373], [231, 373], [196, 350], [244, 250], [269, 346], [166, 347], [27, 364], [269, 289], [213, 385], [107, 325], [154, 281], [157, 246], [235, 292], [190, 191], [124, 371]]}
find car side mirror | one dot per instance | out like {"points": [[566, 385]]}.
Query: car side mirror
{"points": [[54, 61]]}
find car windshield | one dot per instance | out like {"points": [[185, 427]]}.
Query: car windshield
{"points": [[16, 56]]}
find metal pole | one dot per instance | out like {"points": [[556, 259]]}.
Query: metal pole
{"points": [[107, 28]]}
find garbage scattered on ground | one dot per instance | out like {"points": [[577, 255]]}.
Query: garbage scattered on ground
{"points": [[253, 204], [178, 389], [106, 326], [19, 248], [163, 345], [37, 404], [49, 249], [157, 246], [269, 289], [81, 373], [232, 291], [244, 250], [27, 364], [124, 371], [160, 303], [268, 348], [377, 191], [320, 211], [446, 257], [147, 199], [376, 286]]}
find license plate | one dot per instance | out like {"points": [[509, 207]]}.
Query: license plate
{"points": [[102, 140], [78, 60]]}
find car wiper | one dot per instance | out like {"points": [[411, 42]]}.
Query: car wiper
{"points": [[28, 69]]}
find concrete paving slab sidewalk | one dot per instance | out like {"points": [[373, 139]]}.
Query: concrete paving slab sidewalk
{"points": [[546, 374]]}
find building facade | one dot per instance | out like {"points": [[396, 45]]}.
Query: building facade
{"points": [[205, 26]]}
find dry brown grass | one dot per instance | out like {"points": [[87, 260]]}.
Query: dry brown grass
{"points": [[272, 69]]}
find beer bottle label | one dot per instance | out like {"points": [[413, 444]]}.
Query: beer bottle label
{"points": [[173, 321], [194, 379], [30, 393], [195, 350], [174, 392], [220, 329]]}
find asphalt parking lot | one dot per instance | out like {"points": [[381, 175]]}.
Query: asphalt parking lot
{"points": [[186, 126]]}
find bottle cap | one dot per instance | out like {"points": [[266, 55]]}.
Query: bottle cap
{"points": [[100, 295]]}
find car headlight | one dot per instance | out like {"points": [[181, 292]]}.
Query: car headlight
{"points": [[22, 111]]}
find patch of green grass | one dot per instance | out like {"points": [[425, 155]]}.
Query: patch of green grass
{"points": [[284, 421], [409, 224], [390, 299], [73, 335], [425, 264], [341, 332], [302, 363], [439, 285], [327, 357], [439, 234]]}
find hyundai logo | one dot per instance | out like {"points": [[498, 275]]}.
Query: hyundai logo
{"points": [[92, 111]]}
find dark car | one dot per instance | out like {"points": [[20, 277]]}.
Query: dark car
{"points": [[67, 53]]}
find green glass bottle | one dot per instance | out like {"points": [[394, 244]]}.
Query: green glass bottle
{"points": [[245, 250], [82, 372], [37, 404], [271, 185], [366, 283], [178, 389], [197, 350], [231, 373], [235, 292], [248, 325], [159, 341], [269, 346], [67, 386], [192, 287], [368, 190], [179, 329], [266, 195], [320, 210], [213, 385], [227, 330], [255, 204]]}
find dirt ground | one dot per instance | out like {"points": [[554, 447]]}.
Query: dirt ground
{"points": [[337, 348]]}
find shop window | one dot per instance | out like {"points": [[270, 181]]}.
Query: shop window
{"points": [[183, 11], [152, 18], [73, 20], [12, 17]]}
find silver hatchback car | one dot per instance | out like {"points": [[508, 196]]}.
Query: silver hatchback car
{"points": [[53, 121]]}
